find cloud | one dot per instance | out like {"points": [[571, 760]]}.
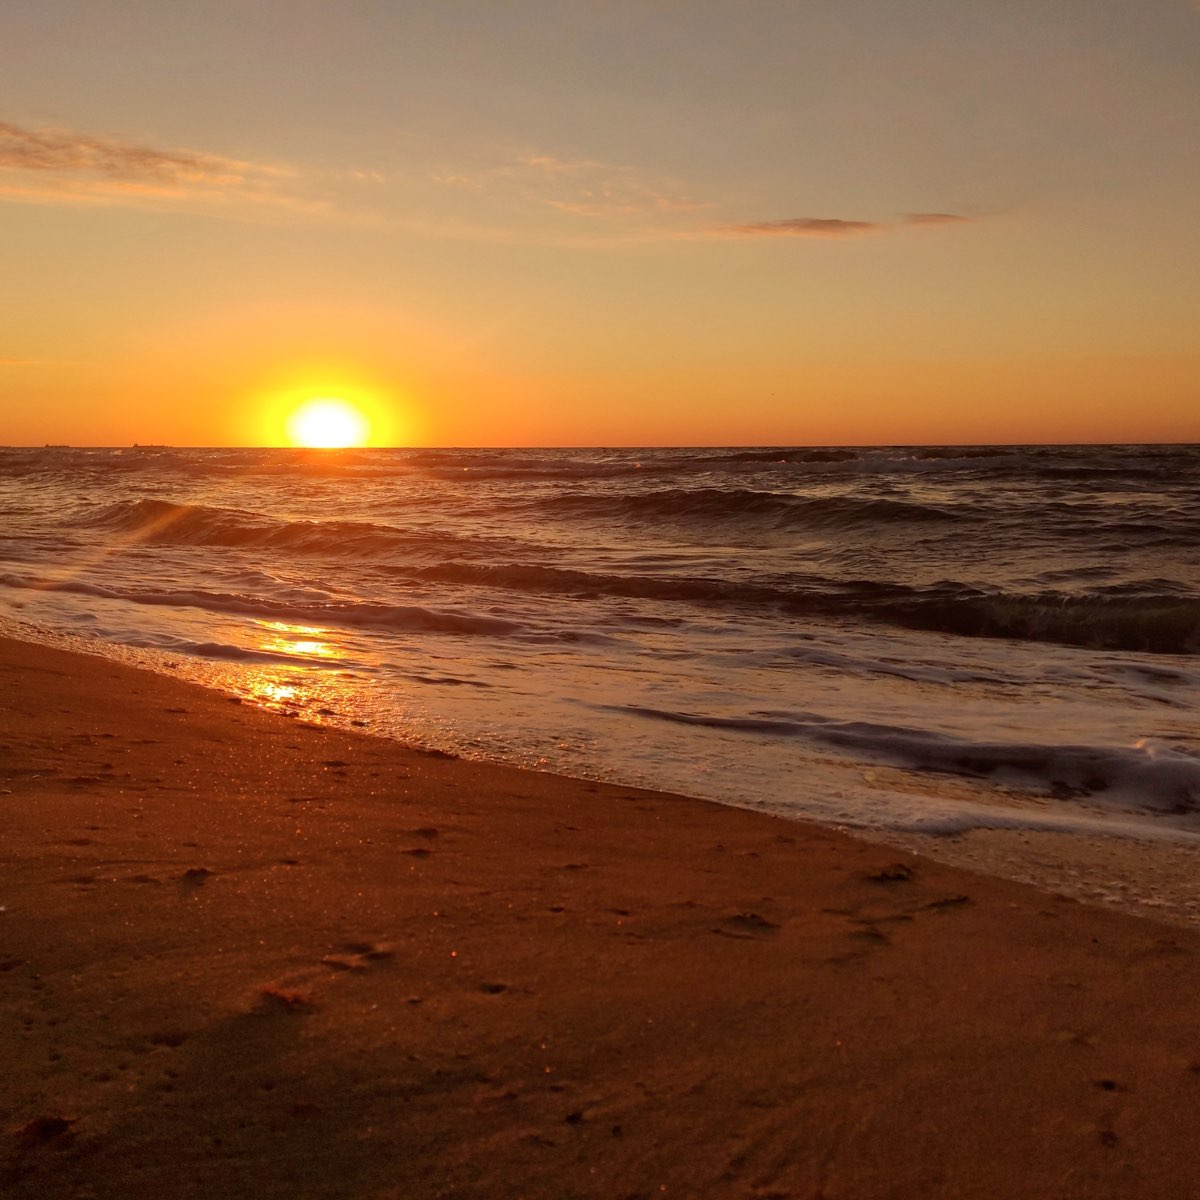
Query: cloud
{"points": [[580, 187], [824, 227], [936, 218], [618, 205], [65, 166], [832, 227], [59, 150]]}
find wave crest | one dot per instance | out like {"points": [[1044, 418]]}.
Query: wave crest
{"points": [[732, 504], [332, 612]]}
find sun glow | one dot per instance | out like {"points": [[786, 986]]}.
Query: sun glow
{"points": [[328, 423]]}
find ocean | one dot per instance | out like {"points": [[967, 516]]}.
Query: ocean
{"points": [[913, 639]]}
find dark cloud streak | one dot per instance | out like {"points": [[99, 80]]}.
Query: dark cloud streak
{"points": [[935, 218], [801, 227], [832, 227]]}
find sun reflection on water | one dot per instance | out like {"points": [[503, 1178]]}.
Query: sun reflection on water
{"points": [[302, 641], [291, 688], [271, 691]]}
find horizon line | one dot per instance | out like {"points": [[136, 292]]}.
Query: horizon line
{"points": [[584, 446]]}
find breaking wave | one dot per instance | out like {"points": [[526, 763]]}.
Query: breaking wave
{"points": [[1141, 777], [1162, 624], [164, 522]]}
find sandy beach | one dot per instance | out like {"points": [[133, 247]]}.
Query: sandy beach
{"points": [[243, 955]]}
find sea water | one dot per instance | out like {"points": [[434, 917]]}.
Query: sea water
{"points": [[906, 639]]}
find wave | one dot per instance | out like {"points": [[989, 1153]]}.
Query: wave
{"points": [[472, 466], [783, 455], [1178, 464], [564, 581], [1142, 776], [362, 614], [169, 522], [953, 453], [1156, 616], [1155, 623], [1162, 623], [73, 464], [1106, 467], [731, 504], [224, 652], [164, 522]]}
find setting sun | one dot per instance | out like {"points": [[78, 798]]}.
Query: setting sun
{"points": [[328, 423]]}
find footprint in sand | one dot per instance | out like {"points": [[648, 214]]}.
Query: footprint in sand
{"points": [[45, 1129], [358, 956], [273, 998], [193, 879], [747, 926], [893, 873], [869, 932]]}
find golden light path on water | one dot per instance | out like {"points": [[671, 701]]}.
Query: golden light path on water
{"points": [[318, 675], [287, 687], [304, 641]]}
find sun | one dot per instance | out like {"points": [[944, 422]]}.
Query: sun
{"points": [[327, 423]]}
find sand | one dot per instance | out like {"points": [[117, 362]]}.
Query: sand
{"points": [[245, 956]]}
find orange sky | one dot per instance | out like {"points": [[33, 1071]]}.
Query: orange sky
{"points": [[587, 223]]}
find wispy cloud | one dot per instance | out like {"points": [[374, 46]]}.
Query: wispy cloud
{"points": [[935, 218], [580, 187], [65, 166], [511, 195], [60, 150], [832, 227]]}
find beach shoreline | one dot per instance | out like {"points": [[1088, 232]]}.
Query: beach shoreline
{"points": [[875, 625], [246, 954], [1132, 866]]}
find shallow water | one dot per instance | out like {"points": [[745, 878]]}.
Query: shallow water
{"points": [[915, 638]]}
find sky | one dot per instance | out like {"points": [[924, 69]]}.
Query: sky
{"points": [[612, 222]]}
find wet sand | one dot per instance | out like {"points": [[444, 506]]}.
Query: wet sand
{"points": [[245, 956]]}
